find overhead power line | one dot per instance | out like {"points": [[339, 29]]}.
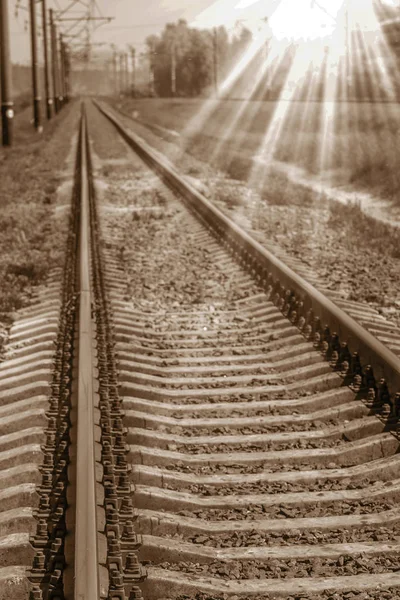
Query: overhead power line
{"points": [[66, 27]]}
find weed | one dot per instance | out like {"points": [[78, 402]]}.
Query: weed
{"points": [[237, 167], [355, 224], [106, 171], [192, 170], [159, 198], [231, 195], [27, 269], [280, 191]]}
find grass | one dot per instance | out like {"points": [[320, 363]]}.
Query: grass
{"points": [[363, 153], [281, 191], [231, 196], [30, 236], [27, 250], [377, 236], [22, 102]]}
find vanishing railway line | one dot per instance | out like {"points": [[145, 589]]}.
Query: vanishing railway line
{"points": [[183, 416]]}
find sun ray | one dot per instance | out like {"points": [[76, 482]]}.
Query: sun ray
{"points": [[248, 110], [329, 118], [300, 116], [208, 107], [300, 56], [313, 119]]}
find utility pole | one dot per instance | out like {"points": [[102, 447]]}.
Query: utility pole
{"points": [[121, 73], [35, 69], [49, 99], [133, 57], [128, 73], [54, 62], [215, 54], [115, 69], [126, 63], [151, 77], [59, 66], [7, 112], [62, 71], [347, 43], [67, 71], [173, 70], [151, 70]]}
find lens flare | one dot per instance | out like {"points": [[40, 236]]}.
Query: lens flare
{"points": [[310, 82]]}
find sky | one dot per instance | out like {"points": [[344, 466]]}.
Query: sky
{"points": [[134, 20]]}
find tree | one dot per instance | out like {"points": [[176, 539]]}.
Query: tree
{"points": [[182, 60]]}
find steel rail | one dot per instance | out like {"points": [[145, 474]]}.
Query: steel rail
{"points": [[86, 571], [303, 297]]}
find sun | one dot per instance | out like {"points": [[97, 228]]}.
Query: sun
{"points": [[305, 19]]}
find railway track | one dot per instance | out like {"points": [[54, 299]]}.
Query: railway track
{"points": [[184, 416]]}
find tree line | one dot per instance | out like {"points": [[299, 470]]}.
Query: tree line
{"points": [[189, 62], [186, 61]]}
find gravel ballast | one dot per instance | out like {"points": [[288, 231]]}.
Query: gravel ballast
{"points": [[346, 250], [164, 269]]}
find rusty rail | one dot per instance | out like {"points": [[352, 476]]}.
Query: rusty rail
{"points": [[370, 364]]}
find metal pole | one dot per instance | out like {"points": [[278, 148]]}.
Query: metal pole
{"points": [[7, 112], [121, 73], [150, 74], [67, 68], [115, 68], [115, 72], [173, 71], [35, 69], [49, 99], [215, 53], [151, 71], [62, 71], [54, 60], [127, 86], [133, 55], [347, 43]]}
